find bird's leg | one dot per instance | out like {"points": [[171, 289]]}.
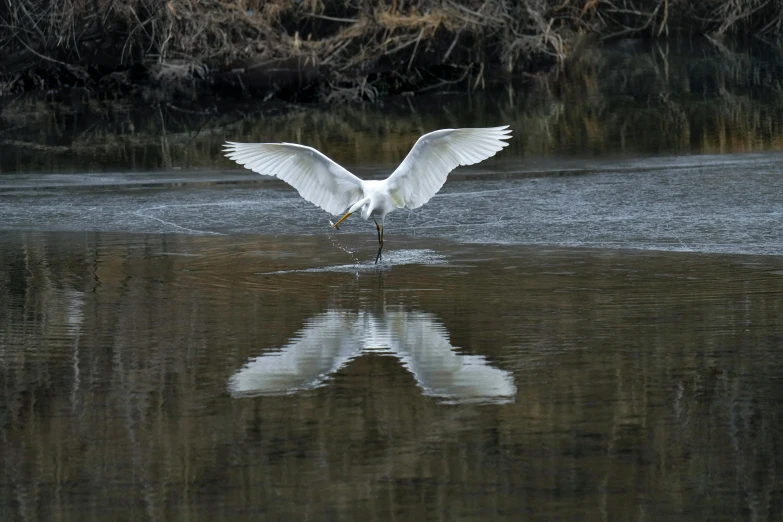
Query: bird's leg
{"points": [[378, 228], [334, 225]]}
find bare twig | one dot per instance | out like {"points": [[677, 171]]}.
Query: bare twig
{"points": [[178, 41]]}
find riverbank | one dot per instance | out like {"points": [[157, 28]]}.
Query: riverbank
{"points": [[625, 98], [341, 52]]}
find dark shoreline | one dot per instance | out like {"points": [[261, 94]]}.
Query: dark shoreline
{"points": [[305, 52]]}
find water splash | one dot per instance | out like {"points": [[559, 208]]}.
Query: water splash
{"points": [[391, 258], [335, 242]]}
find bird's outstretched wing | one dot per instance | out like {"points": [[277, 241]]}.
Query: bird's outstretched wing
{"points": [[318, 179], [326, 343], [423, 346], [423, 171]]}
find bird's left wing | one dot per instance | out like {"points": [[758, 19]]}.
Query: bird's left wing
{"points": [[423, 171], [317, 178]]}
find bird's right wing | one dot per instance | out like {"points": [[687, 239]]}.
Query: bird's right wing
{"points": [[423, 171], [424, 348], [326, 343], [317, 178]]}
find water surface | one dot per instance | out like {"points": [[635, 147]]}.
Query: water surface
{"points": [[176, 377], [587, 326], [726, 203]]}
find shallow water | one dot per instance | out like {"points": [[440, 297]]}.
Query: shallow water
{"points": [[181, 377], [727, 204], [587, 326]]}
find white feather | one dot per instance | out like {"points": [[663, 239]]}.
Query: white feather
{"points": [[317, 178], [320, 349], [330, 340], [423, 171], [328, 185]]}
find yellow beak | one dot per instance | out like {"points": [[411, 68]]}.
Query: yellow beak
{"points": [[341, 220]]}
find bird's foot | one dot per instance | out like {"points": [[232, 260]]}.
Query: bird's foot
{"points": [[379, 256]]}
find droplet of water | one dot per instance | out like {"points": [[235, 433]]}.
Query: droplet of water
{"points": [[333, 240]]}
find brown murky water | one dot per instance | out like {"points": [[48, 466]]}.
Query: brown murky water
{"points": [[182, 340], [172, 377]]}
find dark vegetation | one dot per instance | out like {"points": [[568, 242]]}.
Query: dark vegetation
{"points": [[630, 97], [330, 51], [698, 94]]}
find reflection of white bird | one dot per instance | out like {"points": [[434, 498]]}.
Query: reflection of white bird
{"points": [[323, 182], [330, 340]]}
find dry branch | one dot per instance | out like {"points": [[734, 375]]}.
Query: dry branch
{"points": [[360, 46]]}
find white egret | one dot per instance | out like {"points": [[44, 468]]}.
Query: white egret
{"points": [[330, 340], [326, 184]]}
